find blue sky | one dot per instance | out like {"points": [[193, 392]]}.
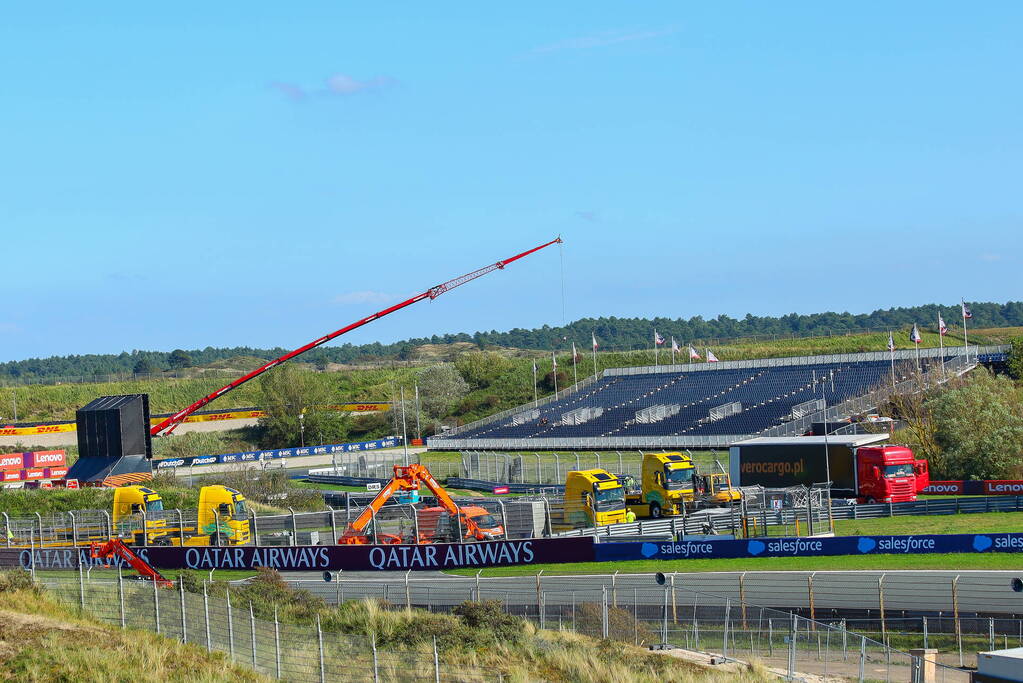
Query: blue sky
{"points": [[220, 174]]}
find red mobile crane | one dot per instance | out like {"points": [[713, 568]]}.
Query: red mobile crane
{"points": [[407, 478], [168, 425]]}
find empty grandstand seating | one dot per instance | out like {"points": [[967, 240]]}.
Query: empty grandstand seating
{"points": [[662, 402]]}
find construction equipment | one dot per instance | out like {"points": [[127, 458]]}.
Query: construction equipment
{"points": [[115, 547], [666, 486], [168, 425], [406, 482], [593, 497], [714, 489], [438, 525]]}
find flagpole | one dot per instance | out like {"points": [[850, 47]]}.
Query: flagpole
{"points": [[916, 343], [656, 364], [575, 373], [941, 344], [891, 349], [966, 343], [554, 371], [593, 338], [536, 398]]}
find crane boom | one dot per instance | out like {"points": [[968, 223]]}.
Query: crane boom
{"points": [[174, 420]]}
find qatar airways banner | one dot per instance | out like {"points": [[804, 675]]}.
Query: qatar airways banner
{"points": [[707, 549], [978, 487], [432, 556]]}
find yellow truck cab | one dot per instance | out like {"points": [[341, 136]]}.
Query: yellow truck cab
{"points": [[132, 505], [666, 487], [593, 497], [223, 517]]}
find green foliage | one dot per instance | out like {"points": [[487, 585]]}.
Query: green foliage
{"points": [[612, 333], [291, 399], [1016, 358], [979, 427], [144, 366], [480, 368], [179, 359], [17, 580], [440, 388], [621, 624]]}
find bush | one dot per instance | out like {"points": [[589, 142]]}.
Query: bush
{"points": [[488, 616], [621, 624], [17, 580]]}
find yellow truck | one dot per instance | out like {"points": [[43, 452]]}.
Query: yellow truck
{"points": [[593, 498], [666, 487], [223, 518]]}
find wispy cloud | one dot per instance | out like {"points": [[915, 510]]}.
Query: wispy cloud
{"points": [[603, 39], [365, 297], [341, 85]]}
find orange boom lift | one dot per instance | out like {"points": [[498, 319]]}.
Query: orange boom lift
{"points": [[407, 479]]}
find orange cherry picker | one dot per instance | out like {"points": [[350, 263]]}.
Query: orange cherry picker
{"points": [[469, 522]]}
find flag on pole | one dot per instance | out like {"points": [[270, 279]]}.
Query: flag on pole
{"points": [[966, 311], [891, 341], [942, 328], [674, 345], [658, 339], [693, 355], [711, 358], [593, 335], [914, 336], [554, 362], [574, 354]]}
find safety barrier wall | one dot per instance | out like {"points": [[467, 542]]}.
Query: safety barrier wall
{"points": [[258, 456], [979, 487]]}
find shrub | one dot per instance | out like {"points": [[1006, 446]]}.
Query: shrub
{"points": [[17, 580]]}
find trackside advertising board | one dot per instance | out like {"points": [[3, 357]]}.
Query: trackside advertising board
{"points": [[810, 547], [322, 557], [257, 456], [986, 487]]}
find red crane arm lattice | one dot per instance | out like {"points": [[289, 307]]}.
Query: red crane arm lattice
{"points": [[168, 425]]}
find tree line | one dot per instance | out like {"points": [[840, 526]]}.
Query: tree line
{"points": [[610, 332]]}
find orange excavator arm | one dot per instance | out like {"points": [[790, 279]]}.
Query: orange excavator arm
{"points": [[116, 546], [406, 478]]}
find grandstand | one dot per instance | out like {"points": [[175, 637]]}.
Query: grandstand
{"points": [[704, 404]]}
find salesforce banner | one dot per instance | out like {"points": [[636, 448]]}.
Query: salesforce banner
{"points": [[810, 547], [258, 456]]}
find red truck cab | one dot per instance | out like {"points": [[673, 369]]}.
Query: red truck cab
{"points": [[888, 474]]}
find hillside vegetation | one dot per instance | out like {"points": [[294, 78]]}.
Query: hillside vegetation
{"points": [[502, 379], [43, 640], [612, 333]]}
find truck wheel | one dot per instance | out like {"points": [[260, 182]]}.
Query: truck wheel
{"points": [[655, 511], [871, 501]]}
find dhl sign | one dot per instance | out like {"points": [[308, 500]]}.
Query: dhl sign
{"points": [[247, 414]]}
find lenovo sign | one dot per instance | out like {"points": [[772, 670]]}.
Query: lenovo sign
{"points": [[995, 487]]}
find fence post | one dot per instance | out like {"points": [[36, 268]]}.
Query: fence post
{"points": [[925, 631], [955, 617], [230, 626], [81, 584], [156, 605], [206, 612], [724, 635], [7, 528], [880, 602], [742, 597], [478, 598], [845, 641], [539, 596], [770, 637], [319, 642], [603, 611], [120, 593], [792, 648], [294, 527], [408, 592], [252, 634], [277, 643], [184, 620], [809, 588], [614, 589], [664, 620], [39, 517], [181, 526], [863, 656], [436, 662], [376, 669], [674, 603], [990, 633], [74, 530]]}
